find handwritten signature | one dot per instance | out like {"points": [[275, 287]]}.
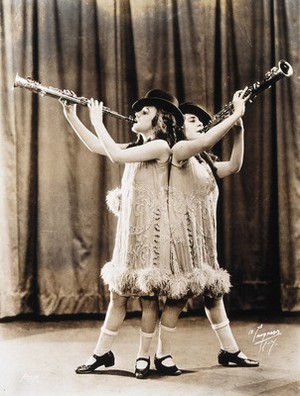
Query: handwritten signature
{"points": [[266, 340]]}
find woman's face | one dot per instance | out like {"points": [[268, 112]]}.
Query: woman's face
{"points": [[144, 119], [192, 126]]}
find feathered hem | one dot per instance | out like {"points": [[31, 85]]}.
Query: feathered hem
{"points": [[156, 281], [113, 201]]}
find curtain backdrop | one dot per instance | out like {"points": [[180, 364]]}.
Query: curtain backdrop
{"points": [[56, 231]]}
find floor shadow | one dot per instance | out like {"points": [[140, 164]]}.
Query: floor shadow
{"points": [[154, 374], [197, 369], [125, 373], [120, 373], [189, 371], [213, 368]]}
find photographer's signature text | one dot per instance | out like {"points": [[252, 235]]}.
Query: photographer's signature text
{"points": [[266, 340]]}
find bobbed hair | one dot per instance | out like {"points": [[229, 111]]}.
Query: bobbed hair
{"points": [[165, 127]]}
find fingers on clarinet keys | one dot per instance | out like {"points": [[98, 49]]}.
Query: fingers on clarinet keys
{"points": [[142, 373], [106, 360], [65, 102], [165, 370], [233, 359], [69, 92]]}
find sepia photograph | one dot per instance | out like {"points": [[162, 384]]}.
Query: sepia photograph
{"points": [[150, 197]]}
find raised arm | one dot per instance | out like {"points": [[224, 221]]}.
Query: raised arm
{"points": [[188, 148], [89, 139], [226, 168], [155, 150]]}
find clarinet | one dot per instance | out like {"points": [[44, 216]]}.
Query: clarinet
{"points": [[57, 93], [284, 69]]}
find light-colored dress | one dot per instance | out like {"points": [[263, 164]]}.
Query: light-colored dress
{"points": [[140, 263], [193, 196]]}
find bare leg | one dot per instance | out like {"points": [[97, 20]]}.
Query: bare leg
{"points": [[168, 323], [103, 355], [116, 312], [150, 312], [216, 314], [230, 352], [114, 318]]}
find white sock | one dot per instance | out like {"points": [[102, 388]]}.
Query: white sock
{"points": [[165, 343], [145, 342], [104, 344], [225, 336]]}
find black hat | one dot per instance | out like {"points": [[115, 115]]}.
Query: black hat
{"points": [[163, 100], [194, 108]]}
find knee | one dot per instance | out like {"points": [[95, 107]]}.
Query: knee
{"points": [[117, 300], [210, 302], [149, 303], [175, 304]]}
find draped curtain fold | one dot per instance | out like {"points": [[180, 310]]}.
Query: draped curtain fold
{"points": [[56, 231]]}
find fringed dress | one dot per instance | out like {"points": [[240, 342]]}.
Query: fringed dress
{"points": [[140, 263], [193, 196]]}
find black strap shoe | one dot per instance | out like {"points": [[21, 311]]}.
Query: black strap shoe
{"points": [[233, 359], [142, 373], [166, 370], [106, 360]]}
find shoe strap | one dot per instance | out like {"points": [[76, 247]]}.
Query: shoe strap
{"points": [[230, 353], [100, 357], [164, 358], [143, 359]]}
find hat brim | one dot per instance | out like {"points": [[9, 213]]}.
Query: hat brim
{"points": [[189, 108], [162, 104]]}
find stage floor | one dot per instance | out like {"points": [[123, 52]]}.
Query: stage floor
{"points": [[39, 358]]}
